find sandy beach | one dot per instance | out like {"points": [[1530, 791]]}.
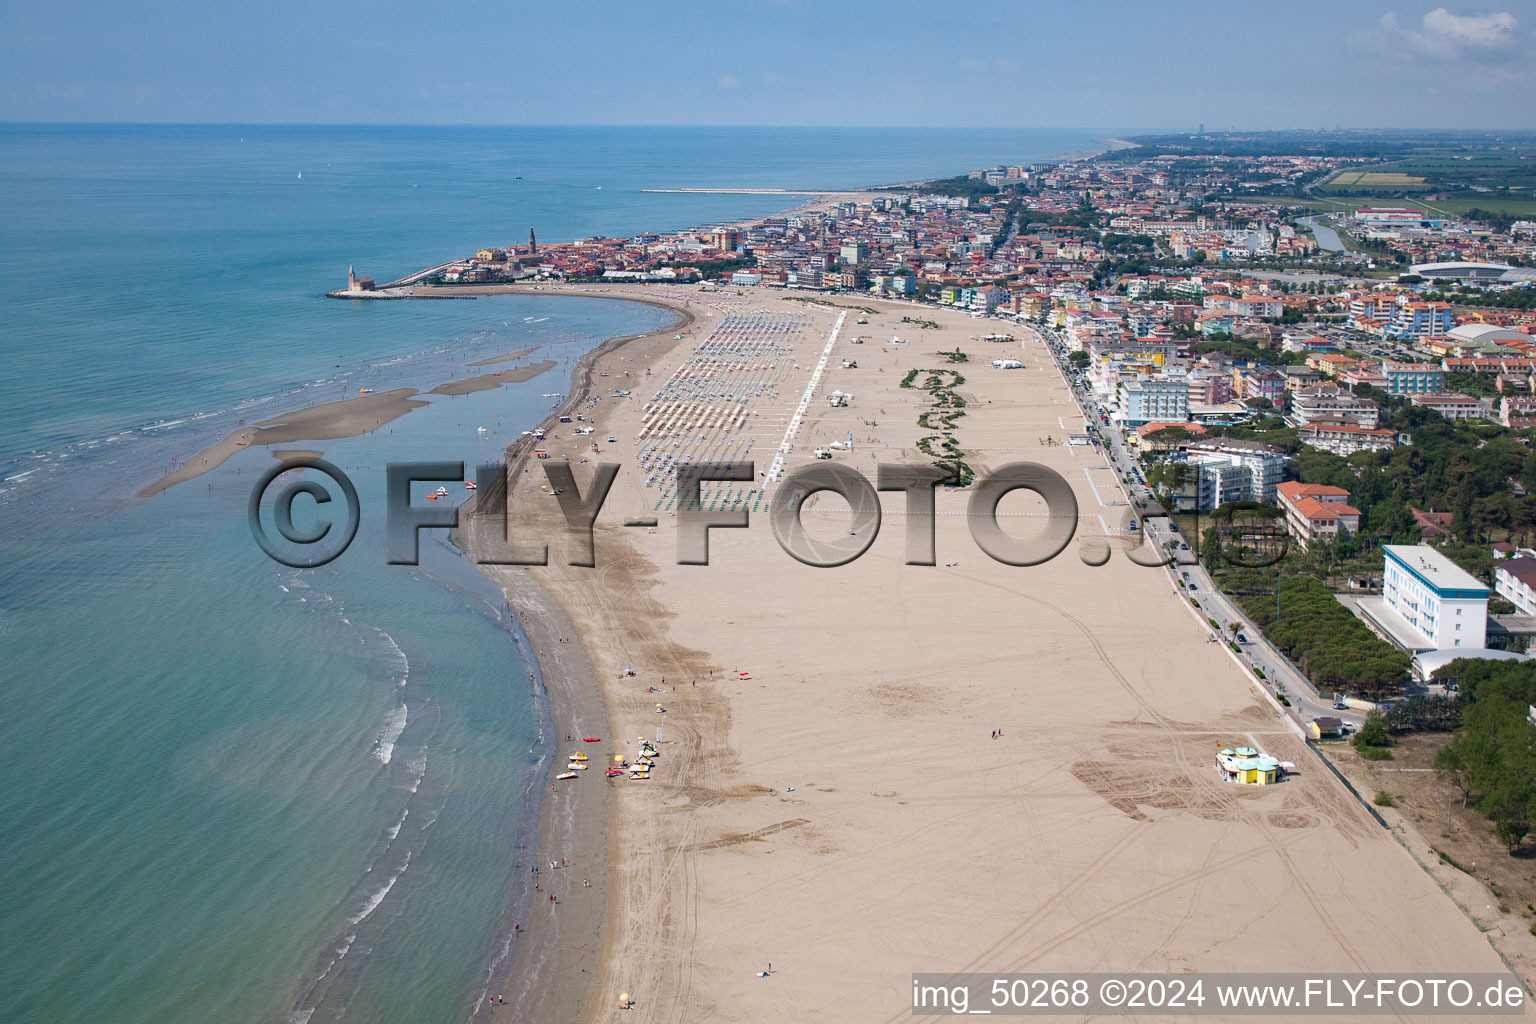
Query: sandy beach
{"points": [[880, 769], [544, 969]]}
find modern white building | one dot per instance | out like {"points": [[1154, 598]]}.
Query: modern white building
{"points": [[1232, 470], [1443, 604], [1515, 580]]}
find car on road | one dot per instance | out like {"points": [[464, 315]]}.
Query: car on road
{"points": [[1339, 705], [1241, 638]]}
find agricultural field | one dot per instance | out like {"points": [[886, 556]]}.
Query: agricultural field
{"points": [[1514, 205], [1498, 171], [1376, 179]]}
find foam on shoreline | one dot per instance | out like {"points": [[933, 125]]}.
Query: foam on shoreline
{"points": [[546, 972]]}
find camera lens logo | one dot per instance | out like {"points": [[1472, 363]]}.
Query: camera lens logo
{"points": [[318, 543], [1251, 536]]}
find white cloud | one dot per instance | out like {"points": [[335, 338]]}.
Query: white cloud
{"points": [[1444, 36], [1483, 30], [728, 82]]}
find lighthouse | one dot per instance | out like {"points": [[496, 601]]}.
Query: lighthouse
{"points": [[351, 280]]}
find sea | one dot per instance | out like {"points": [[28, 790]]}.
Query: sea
{"points": [[235, 790]]}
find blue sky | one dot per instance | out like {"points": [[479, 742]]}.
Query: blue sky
{"points": [[1109, 66]]}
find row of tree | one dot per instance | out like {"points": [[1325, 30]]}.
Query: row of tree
{"points": [[1322, 637]]}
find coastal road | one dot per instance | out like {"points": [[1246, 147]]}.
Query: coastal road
{"points": [[1190, 578]]}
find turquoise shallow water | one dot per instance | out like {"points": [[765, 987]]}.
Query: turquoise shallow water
{"points": [[238, 791]]}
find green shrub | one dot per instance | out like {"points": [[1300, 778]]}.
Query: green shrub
{"points": [[1453, 862], [1374, 753], [1373, 733], [1383, 798]]}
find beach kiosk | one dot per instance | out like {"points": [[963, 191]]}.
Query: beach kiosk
{"points": [[1258, 771], [1247, 765]]}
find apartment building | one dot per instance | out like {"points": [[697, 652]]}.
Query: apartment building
{"points": [[1209, 387], [1259, 382], [1514, 579], [1330, 403], [1413, 378], [1345, 439], [1148, 397], [1513, 407], [1453, 405], [1315, 511], [1420, 320], [1233, 470], [1443, 603]]}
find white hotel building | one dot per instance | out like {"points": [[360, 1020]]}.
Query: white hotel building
{"points": [[1443, 605]]}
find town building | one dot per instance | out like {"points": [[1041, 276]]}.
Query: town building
{"points": [[1514, 579], [1453, 405], [1516, 407], [1226, 469], [1148, 397], [1314, 511], [1346, 439], [1413, 378], [1331, 404], [1420, 320], [1428, 602]]}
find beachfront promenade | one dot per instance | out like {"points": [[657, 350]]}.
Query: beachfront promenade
{"points": [[830, 796]]}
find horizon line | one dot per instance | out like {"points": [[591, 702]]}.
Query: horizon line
{"points": [[790, 127]]}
